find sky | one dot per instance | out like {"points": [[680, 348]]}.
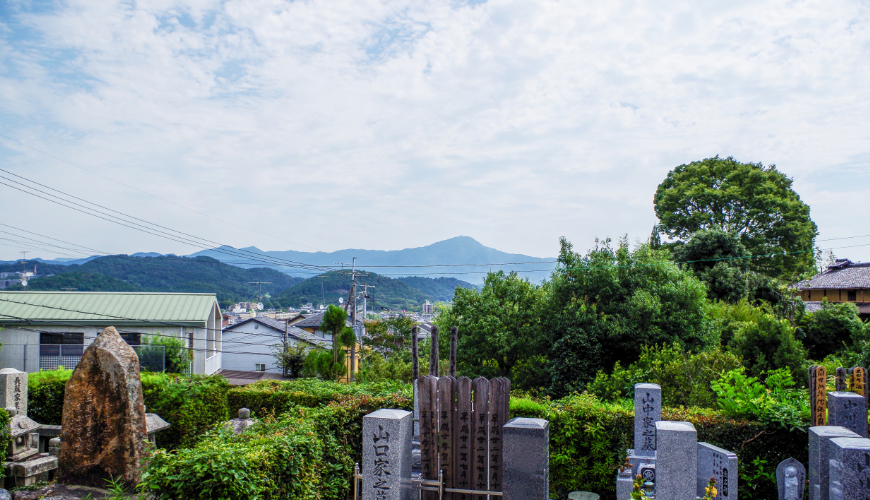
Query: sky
{"points": [[324, 125]]}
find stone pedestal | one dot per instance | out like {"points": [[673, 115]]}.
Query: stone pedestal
{"points": [[720, 464], [386, 467], [676, 460], [820, 438], [647, 411], [624, 484], [849, 471], [526, 459], [13, 390], [849, 410]]}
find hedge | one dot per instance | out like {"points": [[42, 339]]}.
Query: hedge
{"points": [[303, 454], [192, 405], [5, 440], [588, 440]]}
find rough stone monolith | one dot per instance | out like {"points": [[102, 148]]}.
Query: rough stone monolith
{"points": [[104, 429]]}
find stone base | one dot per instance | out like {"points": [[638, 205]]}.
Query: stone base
{"points": [[637, 460], [624, 485]]}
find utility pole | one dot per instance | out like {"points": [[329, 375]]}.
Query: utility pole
{"points": [[259, 287], [352, 297], [366, 296]]}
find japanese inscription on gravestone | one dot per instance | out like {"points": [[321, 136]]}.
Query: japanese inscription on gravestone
{"points": [[13, 390], [720, 464], [387, 455], [647, 411], [818, 395], [462, 444], [847, 409]]}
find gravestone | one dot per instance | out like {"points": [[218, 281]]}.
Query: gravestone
{"points": [[790, 479], [526, 459], [720, 464], [819, 438], [624, 482], [849, 468], [13, 390], [818, 395], [647, 411], [847, 409], [386, 467], [676, 460], [103, 427]]}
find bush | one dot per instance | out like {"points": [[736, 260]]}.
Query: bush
{"points": [[685, 378], [192, 405], [832, 329], [5, 440], [176, 356], [768, 344], [773, 403]]}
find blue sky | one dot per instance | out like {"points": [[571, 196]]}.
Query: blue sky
{"points": [[316, 125]]}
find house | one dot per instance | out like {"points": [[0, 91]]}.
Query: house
{"points": [[41, 330], [251, 344], [843, 281], [312, 323]]}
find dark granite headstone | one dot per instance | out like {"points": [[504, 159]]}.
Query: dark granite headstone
{"points": [[526, 459], [820, 437], [847, 409], [790, 479], [720, 464], [849, 469]]}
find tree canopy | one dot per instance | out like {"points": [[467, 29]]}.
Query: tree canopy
{"points": [[755, 202]]}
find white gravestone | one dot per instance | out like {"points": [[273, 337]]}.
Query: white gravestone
{"points": [[13, 390], [386, 467]]}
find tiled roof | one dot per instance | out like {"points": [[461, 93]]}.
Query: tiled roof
{"points": [[116, 308], [315, 320], [842, 275], [293, 331]]}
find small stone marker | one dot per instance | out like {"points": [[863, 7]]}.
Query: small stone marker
{"points": [[238, 425], [647, 411], [13, 390], [820, 437], [526, 459], [720, 464], [104, 428], [624, 482], [849, 468], [847, 409], [676, 460], [818, 395], [386, 467], [790, 479]]}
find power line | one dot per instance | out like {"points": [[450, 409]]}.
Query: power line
{"points": [[151, 194], [50, 238]]}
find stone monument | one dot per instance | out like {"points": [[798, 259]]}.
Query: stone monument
{"points": [[820, 437], [13, 390], [386, 467], [720, 464], [104, 428], [790, 479], [647, 411], [238, 425], [849, 468], [526, 459], [849, 410], [676, 460]]}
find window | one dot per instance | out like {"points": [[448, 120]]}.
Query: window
{"points": [[132, 338], [50, 343], [260, 367], [852, 296]]}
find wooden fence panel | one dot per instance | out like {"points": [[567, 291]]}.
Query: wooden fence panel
{"points": [[427, 391], [446, 408], [463, 443], [480, 429]]}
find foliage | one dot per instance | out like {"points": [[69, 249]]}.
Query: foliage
{"points": [[748, 199], [321, 363], [767, 343], [718, 259], [192, 405], [499, 326], [605, 306], [82, 282], [710, 491], [291, 358], [5, 440], [685, 378], [440, 289], [333, 324], [832, 329], [389, 335], [388, 293], [774, 402], [176, 356]]}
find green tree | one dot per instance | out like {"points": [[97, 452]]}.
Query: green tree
{"points": [[748, 199], [291, 357], [499, 326], [389, 335], [176, 356], [768, 343], [334, 324], [606, 306], [718, 259], [833, 328]]}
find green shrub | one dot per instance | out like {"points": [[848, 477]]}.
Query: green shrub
{"points": [[192, 405], [767, 344], [832, 329], [774, 402], [175, 355], [685, 378], [5, 440]]}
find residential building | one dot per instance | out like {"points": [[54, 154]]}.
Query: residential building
{"points": [[251, 344], [428, 308], [44, 329], [843, 281]]}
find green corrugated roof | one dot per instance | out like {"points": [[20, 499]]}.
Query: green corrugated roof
{"points": [[105, 307]]}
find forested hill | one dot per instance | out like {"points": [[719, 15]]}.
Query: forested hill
{"points": [[160, 274], [386, 292], [440, 289]]}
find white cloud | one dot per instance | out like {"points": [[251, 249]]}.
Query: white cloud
{"points": [[392, 124]]}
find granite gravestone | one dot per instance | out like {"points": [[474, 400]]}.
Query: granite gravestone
{"points": [[624, 482], [790, 479], [847, 409], [849, 469], [647, 411], [386, 467], [13, 390], [676, 460], [720, 464], [526, 459], [820, 437]]}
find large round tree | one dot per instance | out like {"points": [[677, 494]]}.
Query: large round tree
{"points": [[748, 199]]}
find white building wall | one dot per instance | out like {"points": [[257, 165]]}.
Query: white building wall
{"points": [[246, 345]]}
